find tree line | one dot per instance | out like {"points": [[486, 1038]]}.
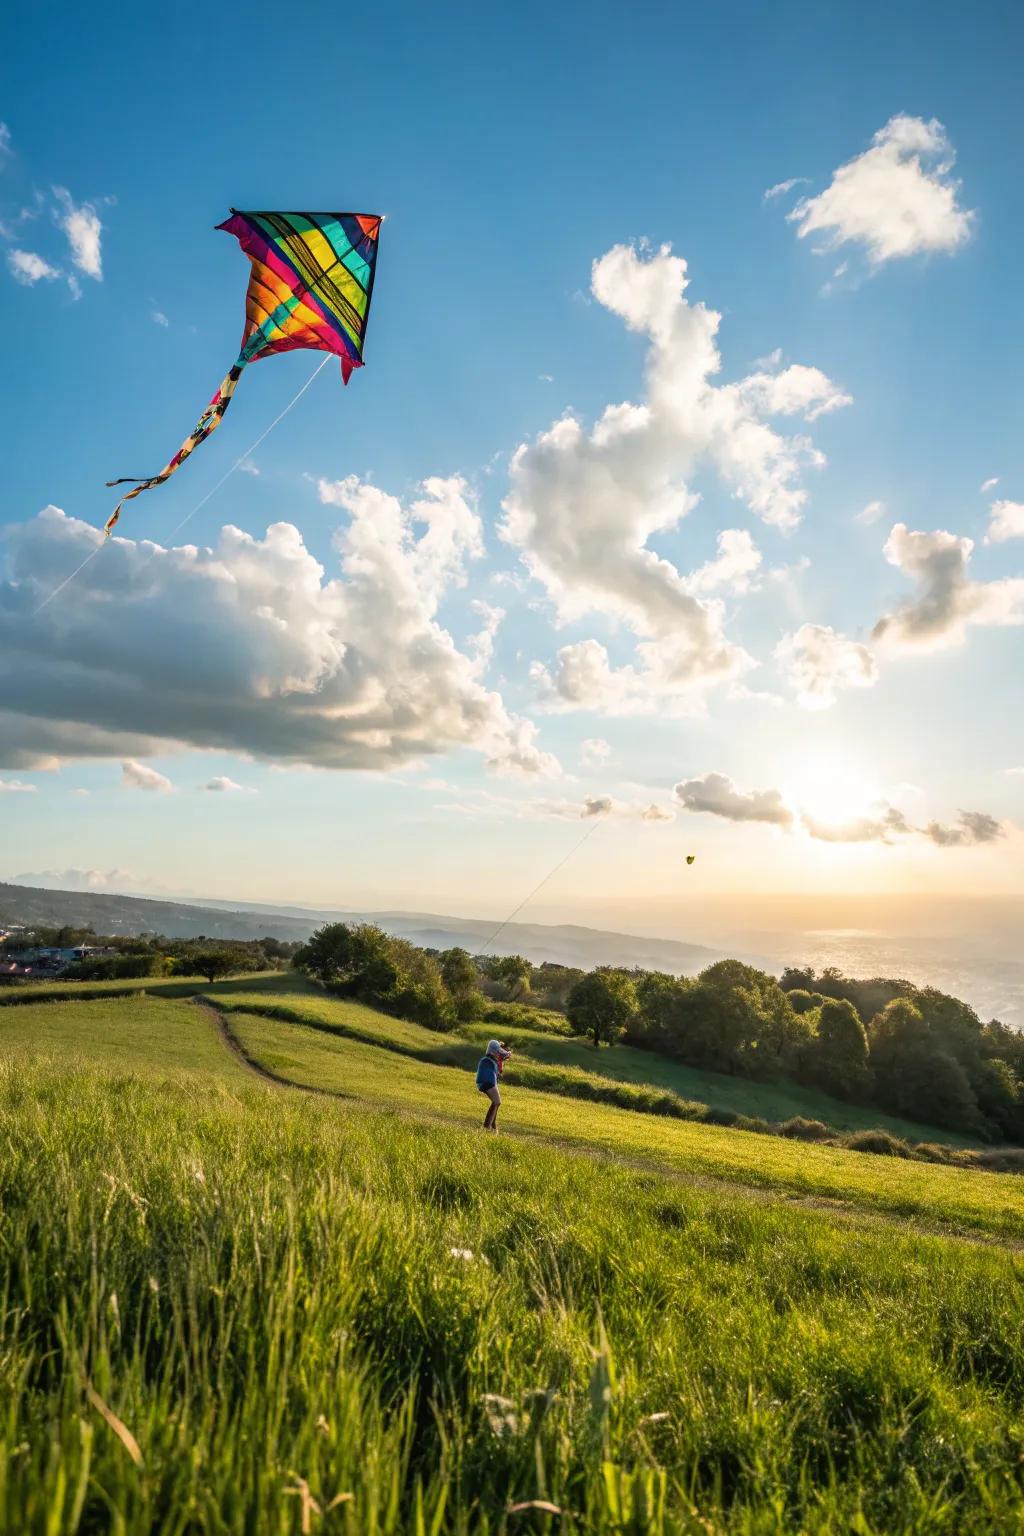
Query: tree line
{"points": [[883, 1042], [911, 1050], [122, 957]]}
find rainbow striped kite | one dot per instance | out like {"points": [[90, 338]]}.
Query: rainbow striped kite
{"points": [[310, 286]]}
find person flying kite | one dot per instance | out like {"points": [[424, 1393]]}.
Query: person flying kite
{"points": [[489, 1069], [310, 286]]}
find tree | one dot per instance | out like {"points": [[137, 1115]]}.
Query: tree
{"points": [[955, 1024], [363, 961], [801, 1001], [660, 1020], [739, 1020], [601, 1005], [913, 1075], [328, 953], [837, 1055], [212, 958], [213, 963], [514, 973], [458, 971], [551, 983], [460, 977], [1000, 1098]]}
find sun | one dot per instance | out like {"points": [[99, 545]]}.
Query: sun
{"points": [[831, 787]]}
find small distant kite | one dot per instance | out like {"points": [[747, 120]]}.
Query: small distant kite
{"points": [[690, 858], [310, 286]]}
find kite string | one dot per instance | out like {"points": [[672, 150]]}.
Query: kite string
{"points": [[68, 579], [551, 872], [250, 450], [199, 504]]}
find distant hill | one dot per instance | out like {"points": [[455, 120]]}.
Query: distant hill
{"points": [[138, 914], [566, 944]]}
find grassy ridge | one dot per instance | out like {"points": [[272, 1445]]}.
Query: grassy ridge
{"points": [[540, 1053], [993, 1203], [221, 1305]]}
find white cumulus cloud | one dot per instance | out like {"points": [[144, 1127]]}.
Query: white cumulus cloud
{"points": [[1006, 522], [896, 199], [140, 776], [83, 228], [733, 567], [16, 787], [717, 795], [28, 268], [249, 646], [946, 601], [819, 663], [879, 826], [972, 827], [594, 752], [222, 785], [583, 506]]}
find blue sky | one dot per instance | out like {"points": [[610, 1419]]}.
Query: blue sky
{"points": [[510, 153]]}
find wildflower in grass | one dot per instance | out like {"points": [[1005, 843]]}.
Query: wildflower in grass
{"points": [[501, 1415], [462, 1253]]}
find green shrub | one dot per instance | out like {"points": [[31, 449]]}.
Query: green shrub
{"points": [[722, 1116], [879, 1142], [517, 1016], [933, 1152], [801, 1129]]}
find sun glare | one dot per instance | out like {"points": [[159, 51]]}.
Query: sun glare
{"points": [[831, 788]]}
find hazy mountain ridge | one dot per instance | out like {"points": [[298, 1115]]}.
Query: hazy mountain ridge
{"points": [[988, 975], [568, 944]]}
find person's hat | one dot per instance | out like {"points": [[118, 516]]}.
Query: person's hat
{"points": [[493, 1047]]}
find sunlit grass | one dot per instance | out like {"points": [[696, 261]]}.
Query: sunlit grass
{"points": [[772, 1101], [989, 1202], [254, 1312]]}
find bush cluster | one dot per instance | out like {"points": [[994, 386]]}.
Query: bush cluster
{"points": [[360, 960], [910, 1050]]}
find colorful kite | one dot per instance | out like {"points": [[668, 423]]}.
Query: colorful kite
{"points": [[310, 286]]}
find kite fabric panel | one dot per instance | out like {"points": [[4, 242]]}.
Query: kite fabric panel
{"points": [[310, 286]]}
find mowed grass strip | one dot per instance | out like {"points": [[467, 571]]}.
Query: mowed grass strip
{"points": [[927, 1193], [317, 1317]]}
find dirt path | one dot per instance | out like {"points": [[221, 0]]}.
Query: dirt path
{"points": [[838, 1210], [234, 1046]]}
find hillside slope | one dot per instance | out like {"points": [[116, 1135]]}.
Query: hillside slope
{"points": [[235, 1306]]}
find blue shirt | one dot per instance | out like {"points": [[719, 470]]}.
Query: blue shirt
{"points": [[487, 1072]]}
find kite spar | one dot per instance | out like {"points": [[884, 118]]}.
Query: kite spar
{"points": [[310, 286]]}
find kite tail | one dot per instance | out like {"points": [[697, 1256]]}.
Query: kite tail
{"points": [[208, 422]]}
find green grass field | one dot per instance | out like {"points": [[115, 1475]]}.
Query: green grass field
{"points": [[539, 1051], [233, 1306]]}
